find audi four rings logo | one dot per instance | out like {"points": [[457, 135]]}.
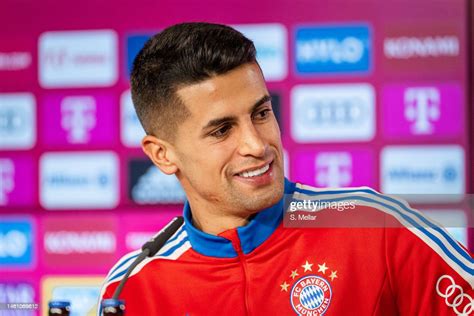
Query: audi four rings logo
{"points": [[454, 296]]}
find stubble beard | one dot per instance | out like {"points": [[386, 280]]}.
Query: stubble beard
{"points": [[253, 203]]}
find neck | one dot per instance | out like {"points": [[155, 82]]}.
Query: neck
{"points": [[215, 226], [215, 221]]}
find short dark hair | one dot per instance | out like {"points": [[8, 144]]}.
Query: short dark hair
{"points": [[180, 55]]}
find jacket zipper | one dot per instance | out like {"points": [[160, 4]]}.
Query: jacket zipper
{"points": [[243, 264]]}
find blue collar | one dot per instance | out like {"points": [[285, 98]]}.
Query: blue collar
{"points": [[252, 235]]}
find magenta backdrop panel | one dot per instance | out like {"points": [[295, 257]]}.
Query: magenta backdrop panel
{"points": [[85, 119], [81, 243], [334, 168], [17, 62], [17, 180], [423, 110]]}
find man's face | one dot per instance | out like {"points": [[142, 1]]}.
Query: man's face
{"points": [[229, 152]]}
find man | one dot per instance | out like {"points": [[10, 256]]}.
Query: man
{"points": [[202, 100]]}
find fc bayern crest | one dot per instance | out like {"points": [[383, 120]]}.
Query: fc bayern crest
{"points": [[311, 296]]}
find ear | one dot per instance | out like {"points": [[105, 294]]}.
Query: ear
{"points": [[161, 153]]}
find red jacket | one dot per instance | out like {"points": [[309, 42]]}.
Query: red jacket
{"points": [[398, 264]]}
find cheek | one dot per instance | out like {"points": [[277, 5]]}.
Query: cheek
{"points": [[197, 172], [210, 161]]}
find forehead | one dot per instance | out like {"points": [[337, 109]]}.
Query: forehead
{"points": [[234, 91]]}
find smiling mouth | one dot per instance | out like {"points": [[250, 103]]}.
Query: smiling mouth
{"points": [[255, 173]]}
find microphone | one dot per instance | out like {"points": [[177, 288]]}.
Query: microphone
{"points": [[150, 248]]}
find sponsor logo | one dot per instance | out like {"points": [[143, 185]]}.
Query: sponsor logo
{"points": [[91, 183], [334, 168], [15, 61], [17, 121], [454, 296], [405, 47], [431, 110], [78, 59], [64, 242], [83, 242], [422, 48], [423, 173], [134, 44], [331, 113], [148, 185], [16, 243], [270, 40], [333, 49], [82, 292], [131, 130], [422, 108], [78, 117]]}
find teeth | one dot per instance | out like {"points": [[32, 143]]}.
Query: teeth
{"points": [[254, 173]]}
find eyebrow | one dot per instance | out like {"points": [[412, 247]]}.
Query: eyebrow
{"points": [[218, 121]]}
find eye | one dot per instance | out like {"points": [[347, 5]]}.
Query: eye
{"points": [[263, 114], [221, 132]]}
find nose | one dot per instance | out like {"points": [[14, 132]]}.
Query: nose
{"points": [[251, 142]]}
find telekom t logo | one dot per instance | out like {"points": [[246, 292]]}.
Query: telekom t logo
{"points": [[55, 58], [422, 107], [78, 117], [333, 169], [7, 180]]}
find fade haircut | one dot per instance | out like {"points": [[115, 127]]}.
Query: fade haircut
{"points": [[181, 55]]}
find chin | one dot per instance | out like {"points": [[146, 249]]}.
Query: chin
{"points": [[256, 203]]}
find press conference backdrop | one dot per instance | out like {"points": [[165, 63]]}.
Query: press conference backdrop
{"points": [[371, 93]]}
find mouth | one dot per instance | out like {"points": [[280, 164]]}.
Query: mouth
{"points": [[255, 172], [258, 176]]}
